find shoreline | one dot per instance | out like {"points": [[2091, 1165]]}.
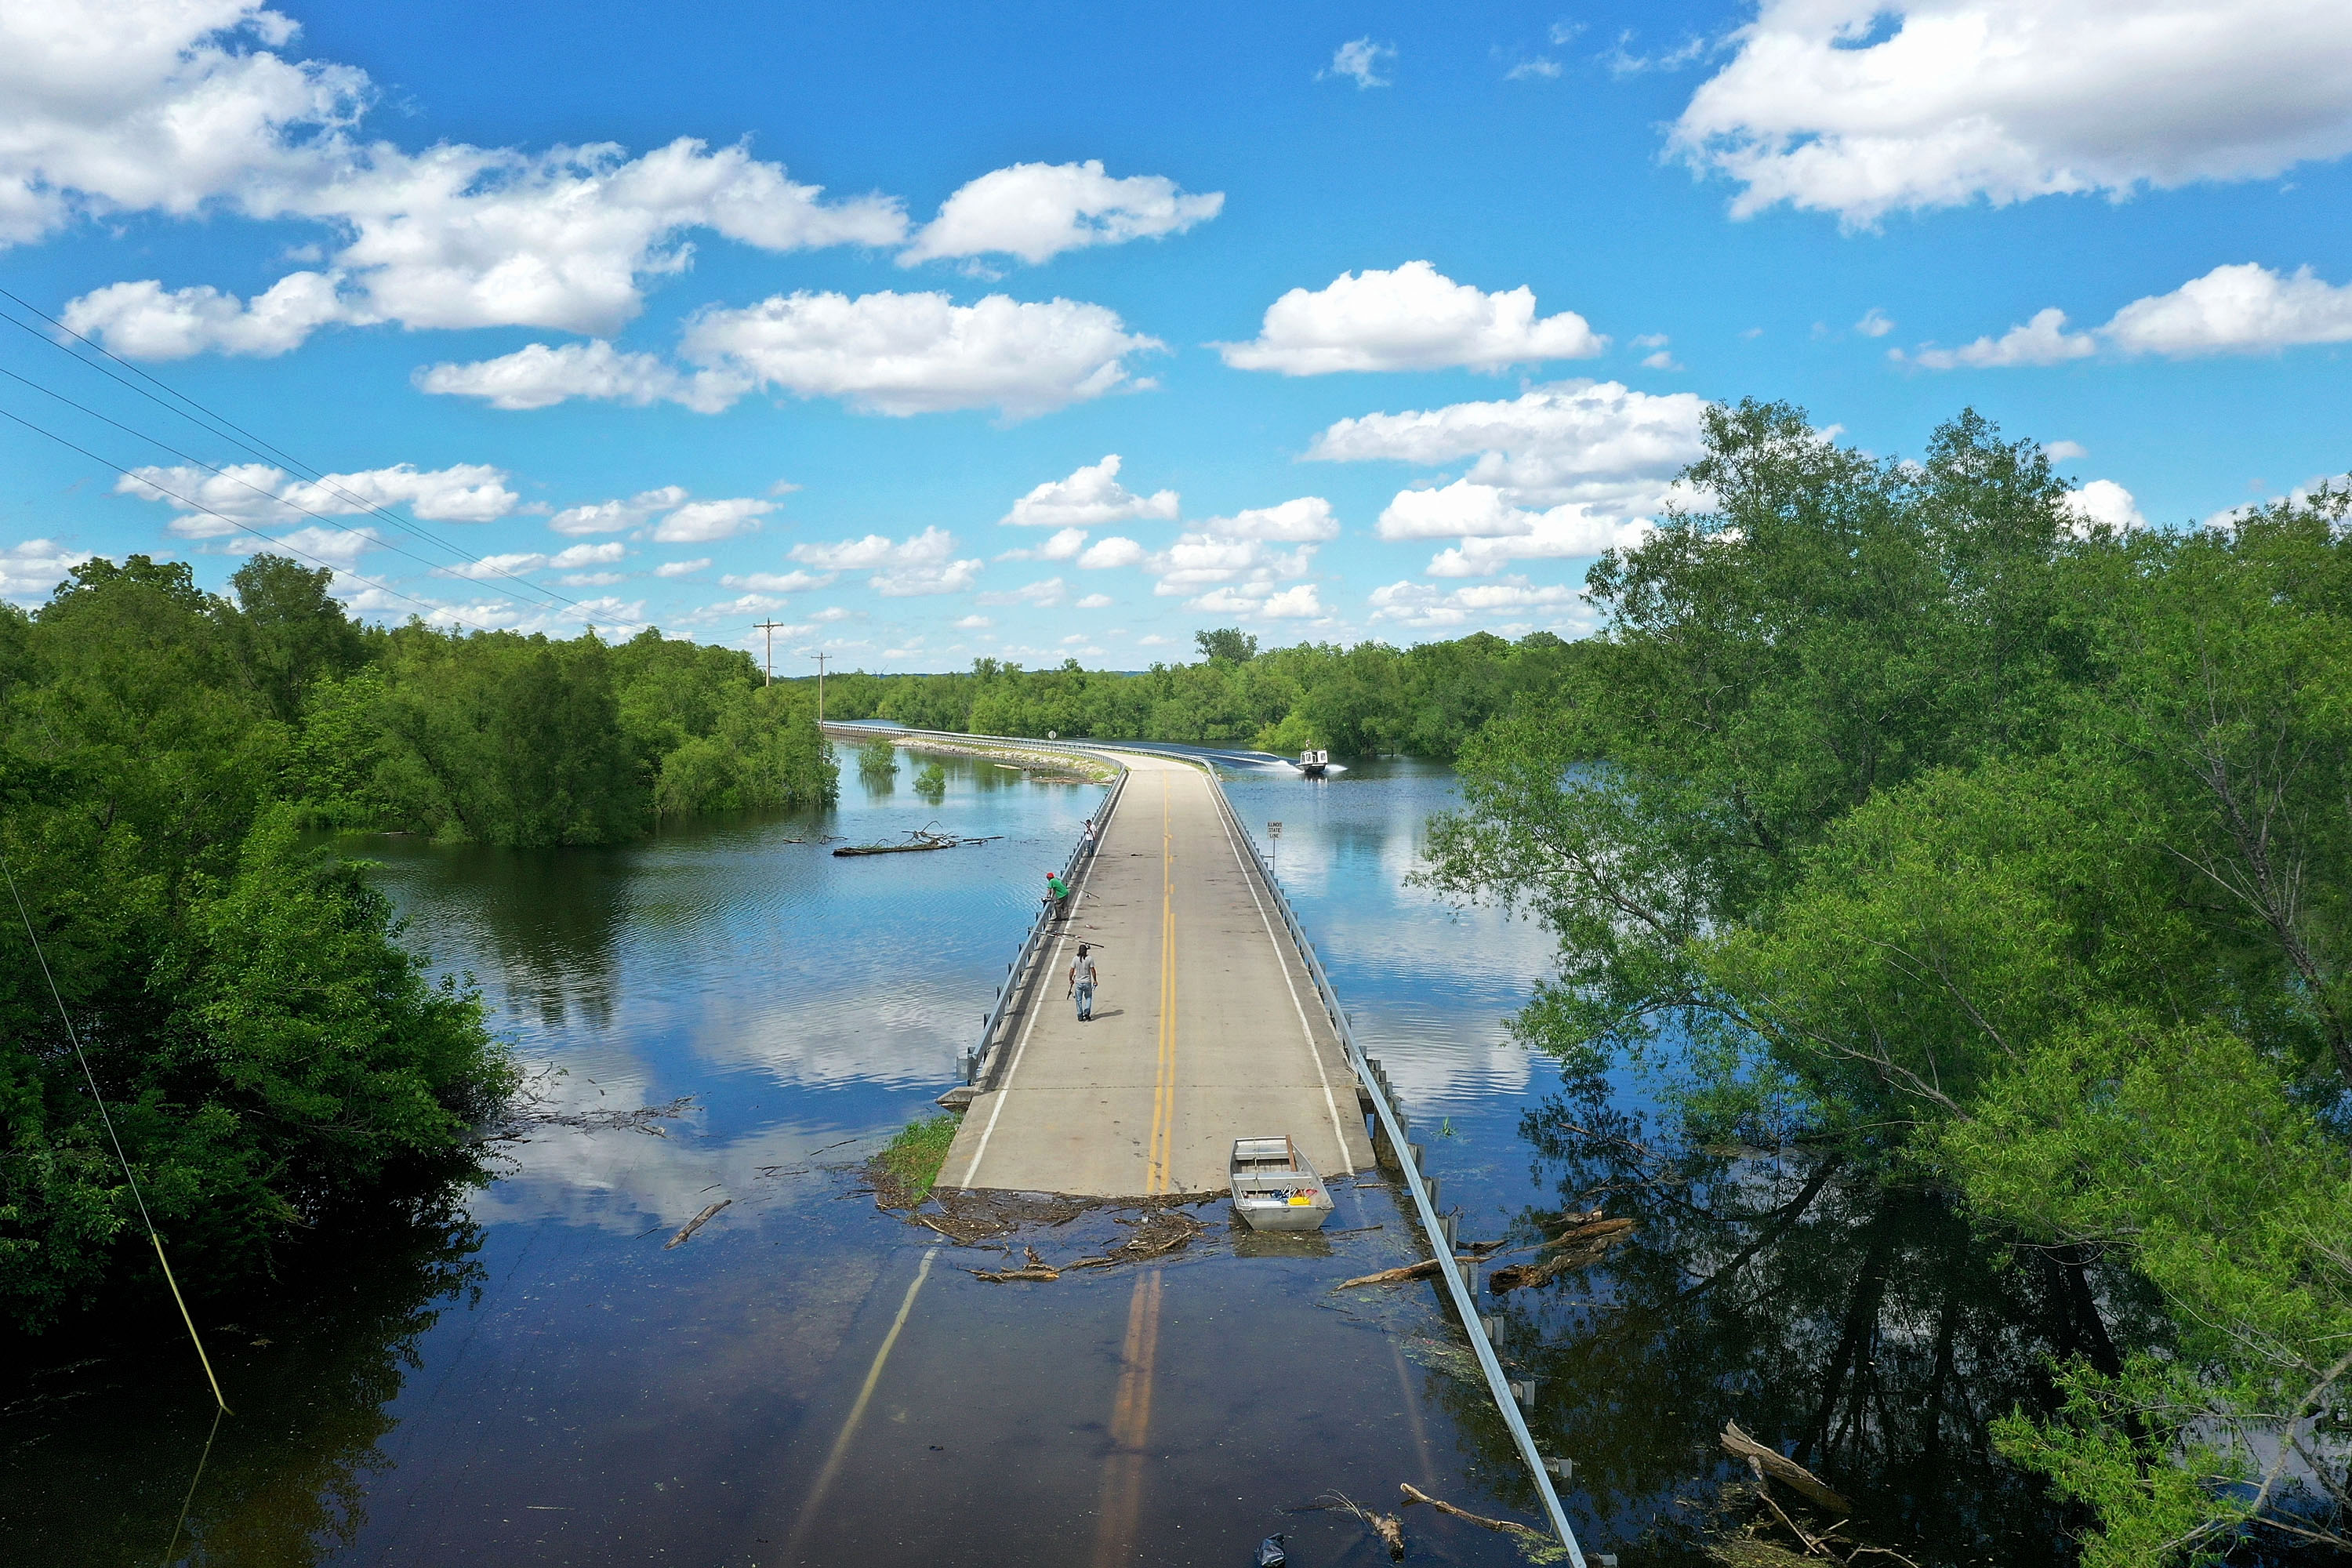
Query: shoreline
{"points": [[1058, 765]]}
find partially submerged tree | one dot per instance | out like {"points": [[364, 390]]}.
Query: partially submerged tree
{"points": [[1895, 809]]}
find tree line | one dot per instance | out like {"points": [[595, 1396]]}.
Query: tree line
{"points": [[268, 1049], [1897, 814], [1363, 700]]}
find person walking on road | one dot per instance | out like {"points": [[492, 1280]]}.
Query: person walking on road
{"points": [[1082, 983]]}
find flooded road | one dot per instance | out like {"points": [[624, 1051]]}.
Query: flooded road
{"points": [[525, 1374]]}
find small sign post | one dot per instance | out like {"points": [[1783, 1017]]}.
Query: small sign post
{"points": [[1273, 836]]}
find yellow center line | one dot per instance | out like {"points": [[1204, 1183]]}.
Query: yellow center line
{"points": [[1130, 1427], [1163, 1090]]}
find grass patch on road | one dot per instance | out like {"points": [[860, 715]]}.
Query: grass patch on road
{"points": [[904, 1172]]}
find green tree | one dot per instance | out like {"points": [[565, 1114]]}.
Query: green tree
{"points": [[1230, 644], [265, 1047], [292, 632], [2007, 859]]}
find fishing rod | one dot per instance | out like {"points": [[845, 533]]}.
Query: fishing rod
{"points": [[74, 1039]]}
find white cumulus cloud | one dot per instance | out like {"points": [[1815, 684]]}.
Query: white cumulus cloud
{"points": [[917, 354], [2044, 340], [492, 567], [144, 320], [1864, 107], [2238, 309], [1064, 545], [615, 516], [1560, 472], [253, 495], [1413, 317], [924, 563], [182, 106], [681, 568], [1362, 61], [1091, 496], [881, 354], [1598, 442], [1492, 532], [2103, 503], [1036, 211], [1306, 519], [2242, 308], [538, 376], [1115, 550], [1420, 605], [776, 582], [701, 521], [34, 569]]}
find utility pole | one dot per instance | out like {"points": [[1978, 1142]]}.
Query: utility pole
{"points": [[820, 658], [769, 627]]}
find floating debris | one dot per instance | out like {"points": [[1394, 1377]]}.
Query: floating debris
{"points": [[696, 1222], [527, 1111], [1424, 1269], [1156, 1234], [972, 1218], [1535, 1546], [1038, 1269], [920, 839], [1586, 1242], [1389, 1527], [1766, 1460]]}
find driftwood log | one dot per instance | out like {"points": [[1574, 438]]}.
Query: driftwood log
{"points": [[1037, 1268], [1766, 1460], [1413, 1494], [1587, 1242], [1424, 1269], [696, 1222]]}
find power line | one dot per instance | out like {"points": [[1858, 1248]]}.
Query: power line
{"points": [[267, 495], [74, 1039], [199, 506], [234, 434]]}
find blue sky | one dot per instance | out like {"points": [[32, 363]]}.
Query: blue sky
{"points": [[1063, 332]]}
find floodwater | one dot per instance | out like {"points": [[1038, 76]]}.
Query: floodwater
{"points": [[525, 1374]]}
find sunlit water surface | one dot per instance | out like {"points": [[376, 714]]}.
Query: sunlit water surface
{"points": [[535, 1377]]}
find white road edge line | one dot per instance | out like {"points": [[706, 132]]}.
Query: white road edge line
{"points": [[1329, 1103], [857, 1412], [1036, 1008], [1021, 1044]]}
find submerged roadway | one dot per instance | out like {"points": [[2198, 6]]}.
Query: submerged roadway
{"points": [[1206, 1026]]}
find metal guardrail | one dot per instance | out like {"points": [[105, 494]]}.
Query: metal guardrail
{"points": [[974, 1061], [1391, 1122], [1440, 1243]]}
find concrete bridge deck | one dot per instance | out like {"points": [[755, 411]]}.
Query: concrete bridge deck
{"points": [[1207, 1026]]}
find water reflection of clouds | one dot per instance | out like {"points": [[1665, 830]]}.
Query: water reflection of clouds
{"points": [[619, 1178], [1429, 985], [625, 1181], [743, 946]]}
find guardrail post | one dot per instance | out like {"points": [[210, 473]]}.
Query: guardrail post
{"points": [[1390, 1131]]}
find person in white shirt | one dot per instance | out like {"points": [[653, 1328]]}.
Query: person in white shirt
{"points": [[1082, 983]]}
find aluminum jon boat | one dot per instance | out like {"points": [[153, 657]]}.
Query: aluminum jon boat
{"points": [[1275, 1188]]}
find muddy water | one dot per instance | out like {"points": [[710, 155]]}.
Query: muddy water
{"points": [[525, 1374]]}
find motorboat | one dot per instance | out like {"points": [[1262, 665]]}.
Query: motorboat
{"points": [[1314, 763], [1275, 1188]]}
